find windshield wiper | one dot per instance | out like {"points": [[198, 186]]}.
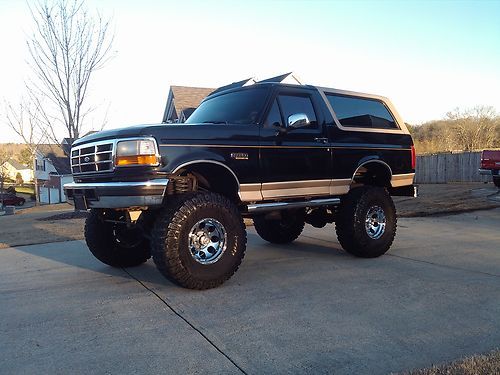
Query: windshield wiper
{"points": [[214, 122]]}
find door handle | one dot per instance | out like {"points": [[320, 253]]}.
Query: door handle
{"points": [[321, 140]]}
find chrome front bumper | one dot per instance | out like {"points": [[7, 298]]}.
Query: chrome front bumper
{"points": [[116, 194]]}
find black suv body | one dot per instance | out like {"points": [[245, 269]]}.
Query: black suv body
{"points": [[281, 154]]}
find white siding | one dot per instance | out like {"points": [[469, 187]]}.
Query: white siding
{"points": [[65, 180], [44, 195], [46, 164], [54, 196]]}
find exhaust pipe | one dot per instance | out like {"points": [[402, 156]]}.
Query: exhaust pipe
{"points": [[265, 207]]}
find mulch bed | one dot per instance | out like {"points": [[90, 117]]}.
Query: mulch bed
{"points": [[66, 216]]}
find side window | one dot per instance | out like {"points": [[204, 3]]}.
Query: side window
{"points": [[274, 116], [292, 104], [361, 112]]}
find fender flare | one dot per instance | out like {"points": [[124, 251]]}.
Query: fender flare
{"points": [[204, 161], [373, 161]]}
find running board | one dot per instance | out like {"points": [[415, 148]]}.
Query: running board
{"points": [[263, 207]]}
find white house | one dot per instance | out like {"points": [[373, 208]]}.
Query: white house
{"points": [[52, 171], [12, 167]]}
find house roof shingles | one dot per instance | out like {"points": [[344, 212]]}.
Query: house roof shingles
{"points": [[16, 165], [188, 97], [61, 164], [57, 156]]}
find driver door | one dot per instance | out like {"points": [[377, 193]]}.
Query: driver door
{"points": [[294, 161]]}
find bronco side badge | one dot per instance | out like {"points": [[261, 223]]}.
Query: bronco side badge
{"points": [[239, 155]]}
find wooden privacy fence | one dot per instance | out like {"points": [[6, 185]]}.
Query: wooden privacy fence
{"points": [[449, 167]]}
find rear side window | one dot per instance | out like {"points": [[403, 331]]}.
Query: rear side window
{"points": [[361, 112], [291, 104]]}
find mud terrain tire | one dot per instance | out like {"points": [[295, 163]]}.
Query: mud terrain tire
{"points": [[114, 244], [280, 231], [366, 222], [199, 240]]}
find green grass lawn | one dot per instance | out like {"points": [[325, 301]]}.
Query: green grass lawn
{"points": [[25, 190]]}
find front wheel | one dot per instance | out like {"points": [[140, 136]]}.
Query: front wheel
{"points": [[199, 240], [366, 222]]}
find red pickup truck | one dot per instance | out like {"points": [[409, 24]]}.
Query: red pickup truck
{"points": [[490, 165]]}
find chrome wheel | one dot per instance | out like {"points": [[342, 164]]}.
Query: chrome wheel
{"points": [[207, 241], [375, 222]]}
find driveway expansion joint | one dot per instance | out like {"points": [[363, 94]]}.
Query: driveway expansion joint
{"points": [[444, 266], [186, 321]]}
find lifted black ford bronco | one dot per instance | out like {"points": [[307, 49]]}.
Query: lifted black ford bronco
{"points": [[283, 155]]}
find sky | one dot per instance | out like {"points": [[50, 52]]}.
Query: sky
{"points": [[428, 57]]}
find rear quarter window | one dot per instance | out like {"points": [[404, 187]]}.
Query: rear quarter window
{"points": [[361, 112]]}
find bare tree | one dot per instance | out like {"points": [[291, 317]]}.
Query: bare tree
{"points": [[25, 120], [4, 156], [469, 129], [67, 46], [473, 128]]}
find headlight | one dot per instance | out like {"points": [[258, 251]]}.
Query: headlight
{"points": [[136, 152]]}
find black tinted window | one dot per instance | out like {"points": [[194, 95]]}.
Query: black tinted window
{"points": [[297, 104], [274, 116], [240, 107], [361, 113]]}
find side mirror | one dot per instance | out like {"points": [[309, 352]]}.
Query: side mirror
{"points": [[298, 120]]}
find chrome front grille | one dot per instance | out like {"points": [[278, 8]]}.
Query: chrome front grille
{"points": [[92, 158]]}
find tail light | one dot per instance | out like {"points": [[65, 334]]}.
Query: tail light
{"points": [[413, 157]]}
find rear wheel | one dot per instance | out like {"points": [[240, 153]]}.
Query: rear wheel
{"points": [[112, 242], [366, 222], [281, 230], [199, 240], [21, 202]]}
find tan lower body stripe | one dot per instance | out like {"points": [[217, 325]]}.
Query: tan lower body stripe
{"points": [[307, 188], [399, 180], [291, 189]]}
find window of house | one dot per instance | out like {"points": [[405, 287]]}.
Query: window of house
{"points": [[293, 104], [40, 165], [361, 112]]}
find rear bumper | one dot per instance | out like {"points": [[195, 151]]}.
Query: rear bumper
{"points": [[116, 194], [405, 191], [489, 172]]}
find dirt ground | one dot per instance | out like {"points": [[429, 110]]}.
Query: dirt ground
{"points": [[475, 365], [49, 223], [29, 226], [447, 199]]}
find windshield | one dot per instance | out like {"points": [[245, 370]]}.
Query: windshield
{"points": [[239, 107]]}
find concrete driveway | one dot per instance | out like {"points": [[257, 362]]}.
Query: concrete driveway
{"points": [[302, 308]]}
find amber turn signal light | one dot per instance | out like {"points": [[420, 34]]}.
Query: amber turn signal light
{"points": [[136, 160]]}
